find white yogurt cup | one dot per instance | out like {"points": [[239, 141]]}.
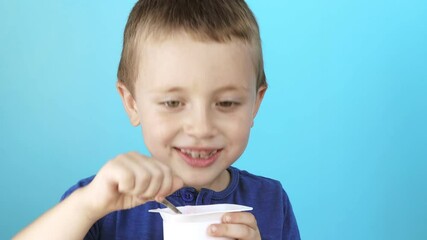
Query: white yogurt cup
{"points": [[194, 221]]}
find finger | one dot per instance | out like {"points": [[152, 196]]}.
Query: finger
{"points": [[122, 176], [167, 183], [152, 176], [155, 183], [234, 231], [245, 218], [177, 184], [142, 175]]}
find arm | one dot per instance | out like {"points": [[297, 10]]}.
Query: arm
{"points": [[70, 218], [125, 182]]}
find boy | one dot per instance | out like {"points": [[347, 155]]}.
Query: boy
{"points": [[191, 74]]}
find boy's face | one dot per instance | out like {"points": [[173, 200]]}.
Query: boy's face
{"points": [[196, 102]]}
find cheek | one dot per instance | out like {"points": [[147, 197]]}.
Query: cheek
{"points": [[157, 133], [242, 135], [237, 140], [237, 129]]}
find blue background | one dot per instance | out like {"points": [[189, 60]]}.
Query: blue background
{"points": [[343, 124]]}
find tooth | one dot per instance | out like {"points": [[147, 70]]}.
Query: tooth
{"points": [[199, 154], [194, 155]]}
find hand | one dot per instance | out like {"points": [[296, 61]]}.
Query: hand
{"points": [[130, 180], [239, 225]]}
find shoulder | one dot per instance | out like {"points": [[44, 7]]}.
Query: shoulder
{"points": [[250, 179], [76, 186], [254, 184]]}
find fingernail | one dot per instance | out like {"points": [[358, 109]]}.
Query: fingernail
{"points": [[214, 229], [227, 219]]}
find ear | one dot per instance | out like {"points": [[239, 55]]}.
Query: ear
{"points": [[129, 103], [259, 96]]}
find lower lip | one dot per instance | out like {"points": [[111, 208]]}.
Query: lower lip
{"points": [[199, 162]]}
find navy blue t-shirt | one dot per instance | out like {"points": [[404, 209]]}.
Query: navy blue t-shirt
{"points": [[271, 208]]}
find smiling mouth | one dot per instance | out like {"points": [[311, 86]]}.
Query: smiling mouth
{"points": [[199, 157], [198, 154]]}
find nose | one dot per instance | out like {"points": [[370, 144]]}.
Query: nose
{"points": [[200, 123]]}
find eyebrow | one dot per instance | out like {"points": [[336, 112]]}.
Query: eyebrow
{"points": [[221, 89], [232, 88], [173, 89]]}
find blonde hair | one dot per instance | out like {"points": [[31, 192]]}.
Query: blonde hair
{"points": [[205, 20]]}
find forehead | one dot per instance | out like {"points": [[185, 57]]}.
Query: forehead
{"points": [[183, 60]]}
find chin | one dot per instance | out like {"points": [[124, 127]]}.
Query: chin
{"points": [[197, 183], [202, 179]]}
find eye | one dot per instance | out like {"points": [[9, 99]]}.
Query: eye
{"points": [[172, 104], [227, 104]]}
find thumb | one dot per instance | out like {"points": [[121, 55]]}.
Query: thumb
{"points": [[177, 183]]}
